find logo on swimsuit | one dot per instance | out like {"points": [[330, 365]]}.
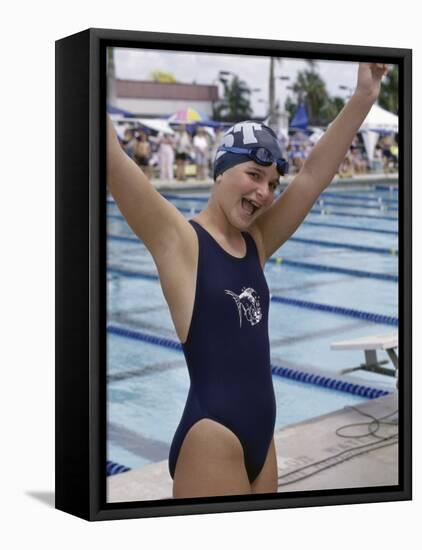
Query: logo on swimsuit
{"points": [[247, 303]]}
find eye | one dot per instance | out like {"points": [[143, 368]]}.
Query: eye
{"points": [[254, 174]]}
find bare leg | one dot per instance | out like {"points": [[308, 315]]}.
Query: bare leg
{"points": [[210, 463]]}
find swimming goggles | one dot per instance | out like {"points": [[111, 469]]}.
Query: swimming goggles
{"points": [[261, 156]]}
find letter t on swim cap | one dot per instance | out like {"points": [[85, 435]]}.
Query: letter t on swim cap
{"points": [[248, 131]]}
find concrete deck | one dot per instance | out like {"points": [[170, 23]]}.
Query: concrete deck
{"points": [[310, 456]]}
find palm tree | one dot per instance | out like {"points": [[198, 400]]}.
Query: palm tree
{"points": [[331, 109], [310, 89], [316, 96], [235, 105], [313, 65]]}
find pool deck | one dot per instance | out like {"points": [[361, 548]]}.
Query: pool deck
{"points": [[356, 182], [310, 456]]}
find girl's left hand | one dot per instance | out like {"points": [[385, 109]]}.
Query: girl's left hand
{"points": [[369, 79]]}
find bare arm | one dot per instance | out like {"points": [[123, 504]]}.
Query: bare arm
{"points": [[287, 213], [152, 218]]}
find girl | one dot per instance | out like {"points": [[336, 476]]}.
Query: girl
{"points": [[211, 273]]}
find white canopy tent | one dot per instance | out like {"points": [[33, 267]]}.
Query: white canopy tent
{"points": [[156, 124], [377, 121]]}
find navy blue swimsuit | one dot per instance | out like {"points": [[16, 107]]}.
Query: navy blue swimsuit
{"points": [[227, 351]]}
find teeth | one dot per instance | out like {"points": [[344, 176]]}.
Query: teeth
{"points": [[256, 206], [252, 206]]}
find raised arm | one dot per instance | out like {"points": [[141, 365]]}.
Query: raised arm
{"points": [[152, 218], [287, 213]]}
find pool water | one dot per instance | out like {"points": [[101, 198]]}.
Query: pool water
{"points": [[147, 384]]}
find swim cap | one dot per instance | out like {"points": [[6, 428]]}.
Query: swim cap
{"points": [[247, 134]]}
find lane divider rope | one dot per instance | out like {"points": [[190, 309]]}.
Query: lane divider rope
{"points": [[301, 265], [380, 204], [386, 187], [314, 210], [338, 310], [358, 197], [319, 224], [330, 382], [313, 242], [112, 468]]}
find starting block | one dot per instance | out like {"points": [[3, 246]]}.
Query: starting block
{"points": [[370, 345]]}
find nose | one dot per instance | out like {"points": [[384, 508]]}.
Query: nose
{"points": [[263, 192]]}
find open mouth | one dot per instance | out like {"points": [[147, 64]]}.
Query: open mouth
{"points": [[249, 207]]}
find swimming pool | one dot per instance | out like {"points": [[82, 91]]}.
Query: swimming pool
{"points": [[344, 259]]}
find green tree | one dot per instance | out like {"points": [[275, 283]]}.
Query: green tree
{"points": [[388, 98], [235, 105], [312, 65], [331, 109], [310, 89]]}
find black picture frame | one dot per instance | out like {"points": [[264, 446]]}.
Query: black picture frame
{"points": [[81, 284]]}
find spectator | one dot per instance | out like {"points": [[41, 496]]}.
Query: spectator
{"points": [[297, 156], [219, 137], [359, 164], [394, 150], [201, 148], [183, 149], [166, 157], [283, 139], [142, 153], [128, 142], [346, 167], [388, 159], [376, 164]]}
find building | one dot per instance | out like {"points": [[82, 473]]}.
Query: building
{"points": [[150, 99]]}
